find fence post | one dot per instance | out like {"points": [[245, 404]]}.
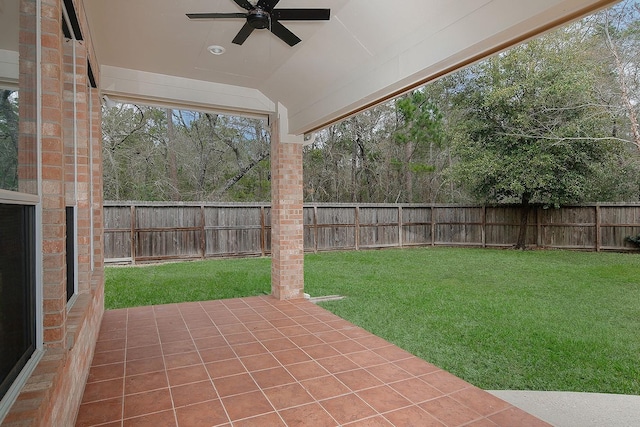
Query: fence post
{"points": [[538, 227], [433, 225], [484, 226], [400, 234], [315, 229], [357, 227], [598, 229], [263, 231], [203, 235], [133, 234]]}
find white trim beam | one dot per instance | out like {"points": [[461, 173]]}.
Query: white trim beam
{"points": [[179, 92]]}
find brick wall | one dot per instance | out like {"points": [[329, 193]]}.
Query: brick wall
{"points": [[27, 136], [70, 174], [53, 174], [76, 151], [95, 196]]}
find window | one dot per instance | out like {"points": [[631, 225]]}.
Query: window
{"points": [[8, 139], [17, 291], [18, 193], [71, 254]]}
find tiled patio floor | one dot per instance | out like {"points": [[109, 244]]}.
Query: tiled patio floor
{"points": [[262, 362]]}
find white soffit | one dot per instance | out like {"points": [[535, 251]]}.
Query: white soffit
{"points": [[9, 24], [132, 85], [369, 51], [9, 31], [442, 45], [9, 71]]}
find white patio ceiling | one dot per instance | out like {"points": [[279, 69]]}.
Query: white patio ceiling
{"points": [[370, 50]]}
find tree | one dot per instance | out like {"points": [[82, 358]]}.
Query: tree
{"points": [[344, 163], [419, 130], [8, 140], [163, 154], [532, 132], [389, 153], [618, 29], [222, 153], [172, 162], [551, 122], [134, 138]]}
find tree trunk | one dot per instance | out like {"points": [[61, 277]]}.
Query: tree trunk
{"points": [[354, 171], [408, 173], [237, 177], [171, 154], [524, 222], [627, 96]]}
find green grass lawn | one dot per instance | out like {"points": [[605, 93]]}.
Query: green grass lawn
{"points": [[186, 281], [500, 319]]}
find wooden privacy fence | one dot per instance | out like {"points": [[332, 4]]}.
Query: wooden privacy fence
{"points": [[143, 232]]}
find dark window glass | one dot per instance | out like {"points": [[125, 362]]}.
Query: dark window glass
{"points": [[71, 258], [17, 291]]}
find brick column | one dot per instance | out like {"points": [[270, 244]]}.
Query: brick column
{"points": [[53, 191], [76, 124], [95, 168], [287, 222], [83, 184], [27, 105]]}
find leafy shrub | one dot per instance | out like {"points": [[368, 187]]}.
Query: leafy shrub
{"points": [[634, 240]]}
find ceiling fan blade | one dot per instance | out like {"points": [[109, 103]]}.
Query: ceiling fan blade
{"points": [[281, 31], [215, 15], [267, 5], [301, 14], [244, 4], [242, 35]]}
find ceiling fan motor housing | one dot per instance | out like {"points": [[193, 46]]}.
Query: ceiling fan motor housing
{"points": [[258, 19]]}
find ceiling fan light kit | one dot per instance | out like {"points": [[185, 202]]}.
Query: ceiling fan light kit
{"points": [[263, 15]]}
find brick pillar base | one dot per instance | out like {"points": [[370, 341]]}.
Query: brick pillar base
{"points": [[287, 226]]}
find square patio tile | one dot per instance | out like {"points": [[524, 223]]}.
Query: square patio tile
{"points": [[225, 368], [325, 387], [272, 377], [145, 382], [383, 399], [147, 403], [204, 414], [288, 396], [189, 394], [143, 366], [100, 412], [272, 420], [247, 405], [308, 415], [259, 362], [159, 419], [181, 360], [103, 390], [236, 384], [187, 374], [412, 416], [306, 370], [347, 408]]}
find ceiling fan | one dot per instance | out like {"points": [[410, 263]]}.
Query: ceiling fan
{"points": [[262, 15]]}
